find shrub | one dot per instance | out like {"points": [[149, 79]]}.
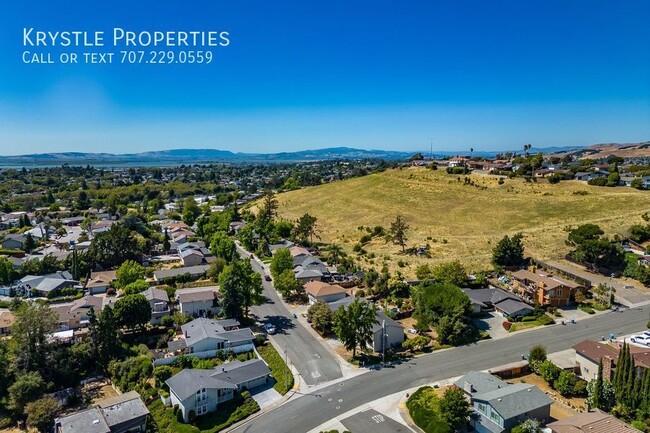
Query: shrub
{"points": [[545, 320], [587, 309], [529, 319], [365, 239], [179, 415], [424, 408], [507, 325]]}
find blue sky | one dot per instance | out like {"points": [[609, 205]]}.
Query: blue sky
{"points": [[371, 74]]}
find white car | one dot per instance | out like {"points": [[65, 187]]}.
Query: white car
{"points": [[270, 328], [641, 339]]}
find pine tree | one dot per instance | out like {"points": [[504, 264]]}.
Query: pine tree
{"points": [[597, 400]]}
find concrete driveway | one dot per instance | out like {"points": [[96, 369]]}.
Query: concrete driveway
{"points": [[265, 395], [492, 324]]}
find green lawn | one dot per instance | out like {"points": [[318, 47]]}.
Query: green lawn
{"points": [[227, 414], [279, 370], [424, 407]]}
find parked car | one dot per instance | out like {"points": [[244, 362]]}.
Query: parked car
{"points": [[270, 328], [267, 277], [641, 339]]}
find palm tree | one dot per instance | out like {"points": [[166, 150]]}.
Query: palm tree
{"points": [[526, 149], [471, 152]]}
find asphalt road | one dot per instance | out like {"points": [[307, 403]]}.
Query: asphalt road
{"points": [[303, 413], [371, 421], [314, 363]]}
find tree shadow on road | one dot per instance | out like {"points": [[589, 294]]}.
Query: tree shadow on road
{"points": [[281, 323]]}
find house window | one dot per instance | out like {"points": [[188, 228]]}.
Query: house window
{"points": [[551, 293], [494, 416], [202, 409], [482, 408], [559, 292]]}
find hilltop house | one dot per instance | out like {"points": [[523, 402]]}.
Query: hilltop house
{"points": [[546, 289], [204, 335], [125, 413], [499, 406], [508, 304], [202, 391]]}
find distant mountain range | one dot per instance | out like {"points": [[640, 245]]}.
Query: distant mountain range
{"points": [[198, 156]]}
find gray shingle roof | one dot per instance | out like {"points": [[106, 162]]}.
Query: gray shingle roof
{"points": [[226, 376], [510, 306], [155, 295], [202, 328], [481, 382], [192, 270], [514, 400]]}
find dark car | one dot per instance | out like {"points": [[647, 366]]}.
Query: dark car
{"points": [[267, 277]]}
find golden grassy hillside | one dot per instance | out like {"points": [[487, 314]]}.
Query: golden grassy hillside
{"points": [[461, 221]]}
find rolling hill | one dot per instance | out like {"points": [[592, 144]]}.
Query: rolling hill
{"points": [[460, 221]]}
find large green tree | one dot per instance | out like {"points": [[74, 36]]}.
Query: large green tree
{"points": [[33, 324], [112, 247], [454, 408], [321, 316], [305, 228], [41, 413], [129, 272], [26, 388], [397, 232], [281, 261], [287, 284], [353, 325], [223, 246], [240, 288], [509, 251], [132, 311], [104, 337]]}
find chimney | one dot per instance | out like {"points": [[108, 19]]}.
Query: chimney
{"points": [[468, 388]]}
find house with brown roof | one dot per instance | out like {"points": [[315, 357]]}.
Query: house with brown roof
{"points": [[197, 302], [589, 353], [75, 315], [320, 291], [595, 421], [99, 282], [6, 322], [546, 289]]}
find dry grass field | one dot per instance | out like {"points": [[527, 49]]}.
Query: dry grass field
{"points": [[461, 221]]}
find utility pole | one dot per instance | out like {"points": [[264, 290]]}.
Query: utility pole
{"points": [[383, 342], [286, 361]]}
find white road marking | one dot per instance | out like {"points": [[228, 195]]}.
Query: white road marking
{"points": [[315, 374], [378, 418]]}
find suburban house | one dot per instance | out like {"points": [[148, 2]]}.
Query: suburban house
{"points": [[490, 299], [125, 413], [205, 335], [45, 284], [594, 421], [191, 257], [99, 282], [589, 175], [589, 353], [201, 391], [75, 315], [159, 302], [499, 406], [6, 322], [13, 242], [387, 333], [644, 260], [546, 289], [320, 291], [191, 272], [197, 302]]}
